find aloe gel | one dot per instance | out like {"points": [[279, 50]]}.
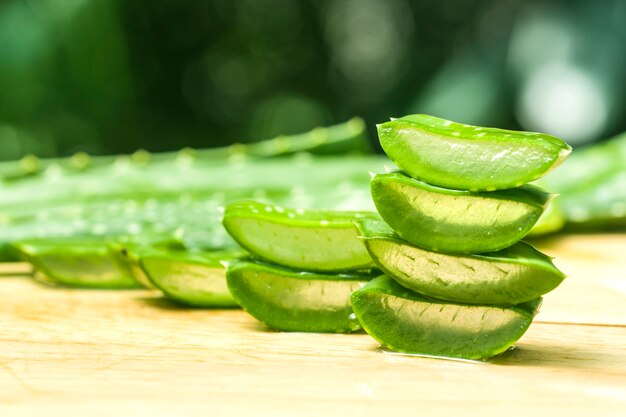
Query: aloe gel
{"points": [[454, 221], [464, 157], [404, 321], [510, 276], [193, 279], [295, 301], [84, 263], [314, 240]]}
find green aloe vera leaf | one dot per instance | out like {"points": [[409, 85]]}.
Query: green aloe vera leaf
{"points": [[128, 253], [587, 165], [315, 240], [592, 184], [178, 193], [196, 279], [551, 220], [454, 221], [464, 157], [513, 275], [598, 207], [83, 263], [108, 202], [348, 137], [404, 321], [288, 300]]}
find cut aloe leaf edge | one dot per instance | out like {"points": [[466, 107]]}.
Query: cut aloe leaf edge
{"points": [[287, 300], [315, 240], [465, 157], [82, 263], [510, 276], [192, 279], [454, 221], [404, 321]]}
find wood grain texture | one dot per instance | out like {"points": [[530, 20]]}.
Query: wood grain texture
{"points": [[103, 353]]}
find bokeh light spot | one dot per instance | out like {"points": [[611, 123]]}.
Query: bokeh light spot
{"points": [[564, 101]]}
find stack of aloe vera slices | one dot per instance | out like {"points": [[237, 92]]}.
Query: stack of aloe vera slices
{"points": [[303, 265], [458, 281]]}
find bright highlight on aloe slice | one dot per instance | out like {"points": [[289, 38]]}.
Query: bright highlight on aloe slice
{"points": [[405, 321], [464, 157], [513, 275], [295, 301], [315, 240], [455, 221], [193, 279]]}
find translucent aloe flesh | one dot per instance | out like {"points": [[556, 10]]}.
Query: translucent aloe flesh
{"points": [[465, 157], [405, 321], [513, 275], [551, 220], [128, 253], [455, 221], [295, 301], [128, 256], [192, 279], [316, 240], [82, 263]]}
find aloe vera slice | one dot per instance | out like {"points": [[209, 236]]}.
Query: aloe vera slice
{"points": [[405, 321], [295, 301], [315, 240], [128, 253], [464, 157], [84, 263], [513, 275], [455, 221], [193, 279], [551, 221]]}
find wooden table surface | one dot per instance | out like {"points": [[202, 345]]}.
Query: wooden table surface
{"points": [[130, 353]]}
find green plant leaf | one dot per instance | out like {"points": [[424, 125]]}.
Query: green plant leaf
{"points": [[315, 240], [465, 157], [453, 221], [296, 301], [513, 275], [405, 321], [193, 279]]}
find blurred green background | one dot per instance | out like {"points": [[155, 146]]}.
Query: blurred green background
{"points": [[113, 76]]}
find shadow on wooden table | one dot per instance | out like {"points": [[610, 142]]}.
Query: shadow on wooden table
{"points": [[558, 356], [165, 303], [161, 303]]}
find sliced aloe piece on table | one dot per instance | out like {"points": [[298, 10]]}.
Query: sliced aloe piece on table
{"points": [[513, 275], [86, 263], [464, 157], [128, 253], [455, 221], [295, 301], [405, 321], [315, 240], [193, 279]]}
